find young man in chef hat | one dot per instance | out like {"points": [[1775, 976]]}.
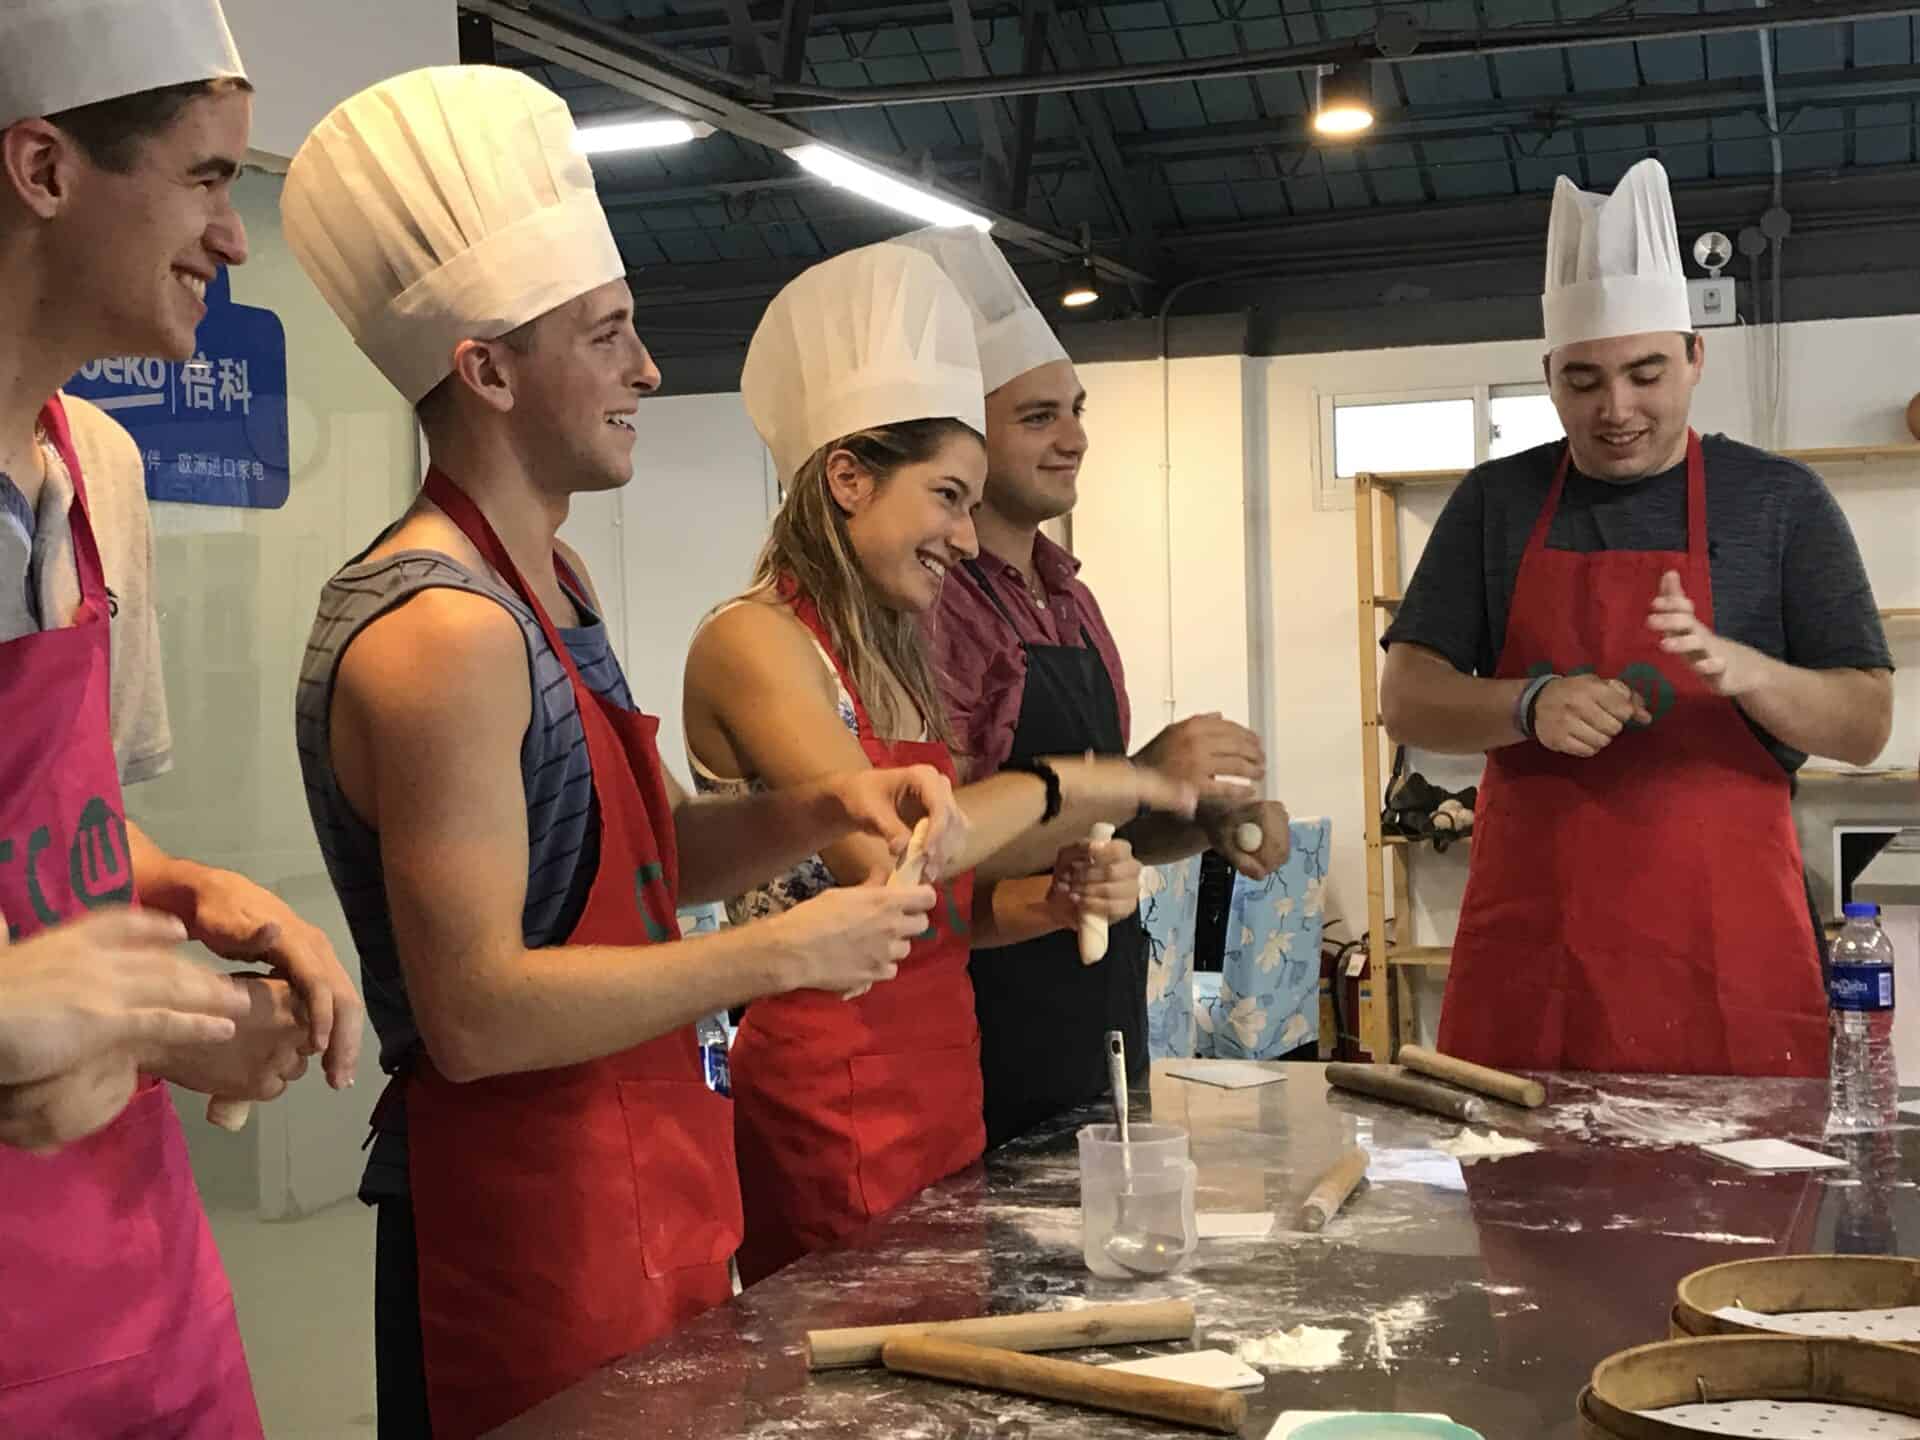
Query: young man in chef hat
{"points": [[122, 126], [553, 1162], [1647, 632], [1029, 667]]}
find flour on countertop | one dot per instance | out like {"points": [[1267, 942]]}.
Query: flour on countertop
{"points": [[1304, 1347]]}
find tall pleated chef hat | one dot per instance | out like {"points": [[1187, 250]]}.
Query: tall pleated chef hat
{"points": [[446, 204], [58, 55], [877, 336], [1613, 261], [1012, 334]]}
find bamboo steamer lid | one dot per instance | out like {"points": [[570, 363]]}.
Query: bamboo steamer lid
{"points": [[1785, 1284], [1726, 1370]]}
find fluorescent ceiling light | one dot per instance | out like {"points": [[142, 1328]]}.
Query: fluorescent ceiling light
{"points": [[1079, 296], [639, 135], [883, 189]]}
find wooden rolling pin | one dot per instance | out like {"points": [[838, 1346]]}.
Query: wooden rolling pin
{"points": [[1330, 1192], [1093, 928], [1390, 1082], [1045, 1330], [1514, 1089], [1202, 1406]]}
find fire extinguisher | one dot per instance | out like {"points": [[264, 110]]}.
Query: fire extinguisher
{"points": [[1345, 970]]}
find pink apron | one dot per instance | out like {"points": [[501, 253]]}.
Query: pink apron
{"points": [[115, 1316]]}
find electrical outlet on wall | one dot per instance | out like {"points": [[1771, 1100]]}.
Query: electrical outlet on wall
{"points": [[1710, 301]]}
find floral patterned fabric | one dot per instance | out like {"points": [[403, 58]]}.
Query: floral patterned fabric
{"points": [[1269, 1001], [1170, 912], [1268, 998]]}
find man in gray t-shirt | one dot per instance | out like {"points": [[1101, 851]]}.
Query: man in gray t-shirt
{"points": [[1646, 634]]}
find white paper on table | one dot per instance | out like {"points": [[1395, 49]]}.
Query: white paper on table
{"points": [[1791, 1420], [1893, 1327], [1235, 1224], [1774, 1155], [1213, 1368], [1227, 1074], [1292, 1420]]}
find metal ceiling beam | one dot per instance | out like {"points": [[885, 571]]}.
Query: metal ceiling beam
{"points": [[697, 92], [1104, 159], [1033, 54], [748, 54], [1432, 45], [1288, 139], [995, 167], [796, 20]]}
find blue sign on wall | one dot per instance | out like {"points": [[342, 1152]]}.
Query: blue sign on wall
{"points": [[213, 429]]}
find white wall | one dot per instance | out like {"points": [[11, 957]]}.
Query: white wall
{"points": [[678, 540], [305, 57]]}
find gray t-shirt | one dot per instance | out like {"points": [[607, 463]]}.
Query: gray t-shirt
{"points": [[40, 586], [1787, 576]]}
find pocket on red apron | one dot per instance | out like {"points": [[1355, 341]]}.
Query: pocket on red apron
{"points": [[677, 1127], [916, 1119]]}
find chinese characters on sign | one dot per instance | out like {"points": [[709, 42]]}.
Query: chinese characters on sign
{"points": [[213, 429]]}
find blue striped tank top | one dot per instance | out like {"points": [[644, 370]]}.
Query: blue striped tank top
{"points": [[563, 830]]}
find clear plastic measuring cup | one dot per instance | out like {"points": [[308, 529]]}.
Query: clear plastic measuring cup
{"points": [[1145, 1197]]}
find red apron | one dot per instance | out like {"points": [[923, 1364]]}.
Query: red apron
{"points": [[1643, 910], [848, 1107], [115, 1316], [568, 1217]]}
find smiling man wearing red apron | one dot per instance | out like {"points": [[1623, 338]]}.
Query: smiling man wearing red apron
{"points": [[1029, 667], [122, 126], [553, 1161], [1648, 633]]}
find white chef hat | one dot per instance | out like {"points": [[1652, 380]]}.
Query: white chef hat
{"points": [[447, 204], [1012, 334], [1613, 261], [58, 55], [877, 336]]}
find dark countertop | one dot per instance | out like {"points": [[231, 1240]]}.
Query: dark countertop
{"points": [[1487, 1291]]}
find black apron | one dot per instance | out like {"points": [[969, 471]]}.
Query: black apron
{"points": [[1043, 1015]]}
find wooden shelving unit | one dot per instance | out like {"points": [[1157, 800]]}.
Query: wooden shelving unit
{"points": [[1387, 1018]]}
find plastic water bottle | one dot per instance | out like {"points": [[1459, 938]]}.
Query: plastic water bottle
{"points": [[712, 1036], [1863, 1085]]}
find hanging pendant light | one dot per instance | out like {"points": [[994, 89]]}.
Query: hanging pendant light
{"points": [[1343, 98]]}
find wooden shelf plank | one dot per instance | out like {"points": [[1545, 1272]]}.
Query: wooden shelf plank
{"points": [[1898, 612], [1883, 777], [1392, 602], [1428, 957], [1400, 840]]}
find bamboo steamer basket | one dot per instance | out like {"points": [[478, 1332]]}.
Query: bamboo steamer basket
{"points": [[1783, 1284], [1733, 1368]]}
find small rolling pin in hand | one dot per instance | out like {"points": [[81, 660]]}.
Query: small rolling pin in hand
{"points": [[908, 873], [1093, 928]]}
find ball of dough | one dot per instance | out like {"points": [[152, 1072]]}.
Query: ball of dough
{"points": [[1249, 837]]}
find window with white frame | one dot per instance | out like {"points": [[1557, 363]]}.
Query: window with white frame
{"points": [[1451, 429]]}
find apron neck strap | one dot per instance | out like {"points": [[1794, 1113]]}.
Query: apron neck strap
{"points": [[86, 552], [808, 614], [1696, 499], [473, 523]]}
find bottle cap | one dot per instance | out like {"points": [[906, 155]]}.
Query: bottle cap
{"points": [[1861, 910]]}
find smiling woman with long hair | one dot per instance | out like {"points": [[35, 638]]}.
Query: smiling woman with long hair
{"points": [[864, 382]]}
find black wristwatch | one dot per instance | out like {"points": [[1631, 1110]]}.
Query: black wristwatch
{"points": [[1048, 776]]}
